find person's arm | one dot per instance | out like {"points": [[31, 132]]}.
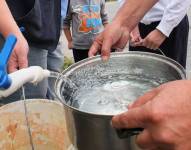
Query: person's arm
{"points": [[7, 23], [165, 115], [104, 16], [132, 12], [116, 34], [173, 14], [8, 26], [68, 35], [66, 26], [153, 40]]}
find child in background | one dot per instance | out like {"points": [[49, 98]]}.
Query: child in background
{"points": [[87, 18]]}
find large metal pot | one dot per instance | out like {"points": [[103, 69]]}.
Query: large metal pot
{"points": [[91, 130]]}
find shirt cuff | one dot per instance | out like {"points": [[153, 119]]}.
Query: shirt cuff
{"points": [[165, 28]]}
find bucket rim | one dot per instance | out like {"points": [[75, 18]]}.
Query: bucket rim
{"points": [[161, 58], [174, 64]]}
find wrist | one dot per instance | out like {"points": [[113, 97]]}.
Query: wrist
{"points": [[15, 31], [165, 28], [121, 25], [161, 33]]}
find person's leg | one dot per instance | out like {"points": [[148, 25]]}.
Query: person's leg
{"points": [[36, 57], [55, 62], [175, 46], [80, 54]]}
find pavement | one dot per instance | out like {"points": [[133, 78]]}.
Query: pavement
{"points": [[111, 9]]}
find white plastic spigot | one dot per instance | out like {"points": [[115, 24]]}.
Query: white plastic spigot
{"points": [[32, 74]]}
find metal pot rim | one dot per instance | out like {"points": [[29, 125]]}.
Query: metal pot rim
{"points": [[81, 63], [162, 58], [34, 100]]}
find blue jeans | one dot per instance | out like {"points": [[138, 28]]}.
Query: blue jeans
{"points": [[55, 62]]}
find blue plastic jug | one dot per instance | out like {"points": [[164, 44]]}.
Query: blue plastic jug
{"points": [[5, 54]]}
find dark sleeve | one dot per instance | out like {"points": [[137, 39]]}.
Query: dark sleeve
{"points": [[20, 8]]}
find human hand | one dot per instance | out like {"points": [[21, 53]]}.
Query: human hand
{"points": [[165, 115], [70, 45], [154, 39], [18, 58], [135, 37], [114, 36]]}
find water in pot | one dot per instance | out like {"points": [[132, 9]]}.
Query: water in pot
{"points": [[100, 90]]}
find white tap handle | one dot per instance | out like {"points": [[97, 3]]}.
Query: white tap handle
{"points": [[32, 74]]}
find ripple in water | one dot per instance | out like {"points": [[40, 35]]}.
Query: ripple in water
{"points": [[113, 96]]}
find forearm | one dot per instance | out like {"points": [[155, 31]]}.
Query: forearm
{"points": [[136, 28], [173, 14], [132, 11], [68, 34], [7, 23]]}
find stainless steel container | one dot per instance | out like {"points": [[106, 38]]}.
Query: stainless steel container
{"points": [[92, 131]]}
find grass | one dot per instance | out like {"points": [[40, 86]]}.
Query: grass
{"points": [[67, 62]]}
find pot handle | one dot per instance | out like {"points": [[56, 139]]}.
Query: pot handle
{"points": [[159, 50], [127, 133]]}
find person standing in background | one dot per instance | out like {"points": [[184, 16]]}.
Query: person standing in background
{"points": [[88, 18], [41, 20], [164, 27], [18, 59], [55, 59]]}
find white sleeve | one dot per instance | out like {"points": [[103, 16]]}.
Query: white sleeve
{"points": [[121, 2], [173, 14]]}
